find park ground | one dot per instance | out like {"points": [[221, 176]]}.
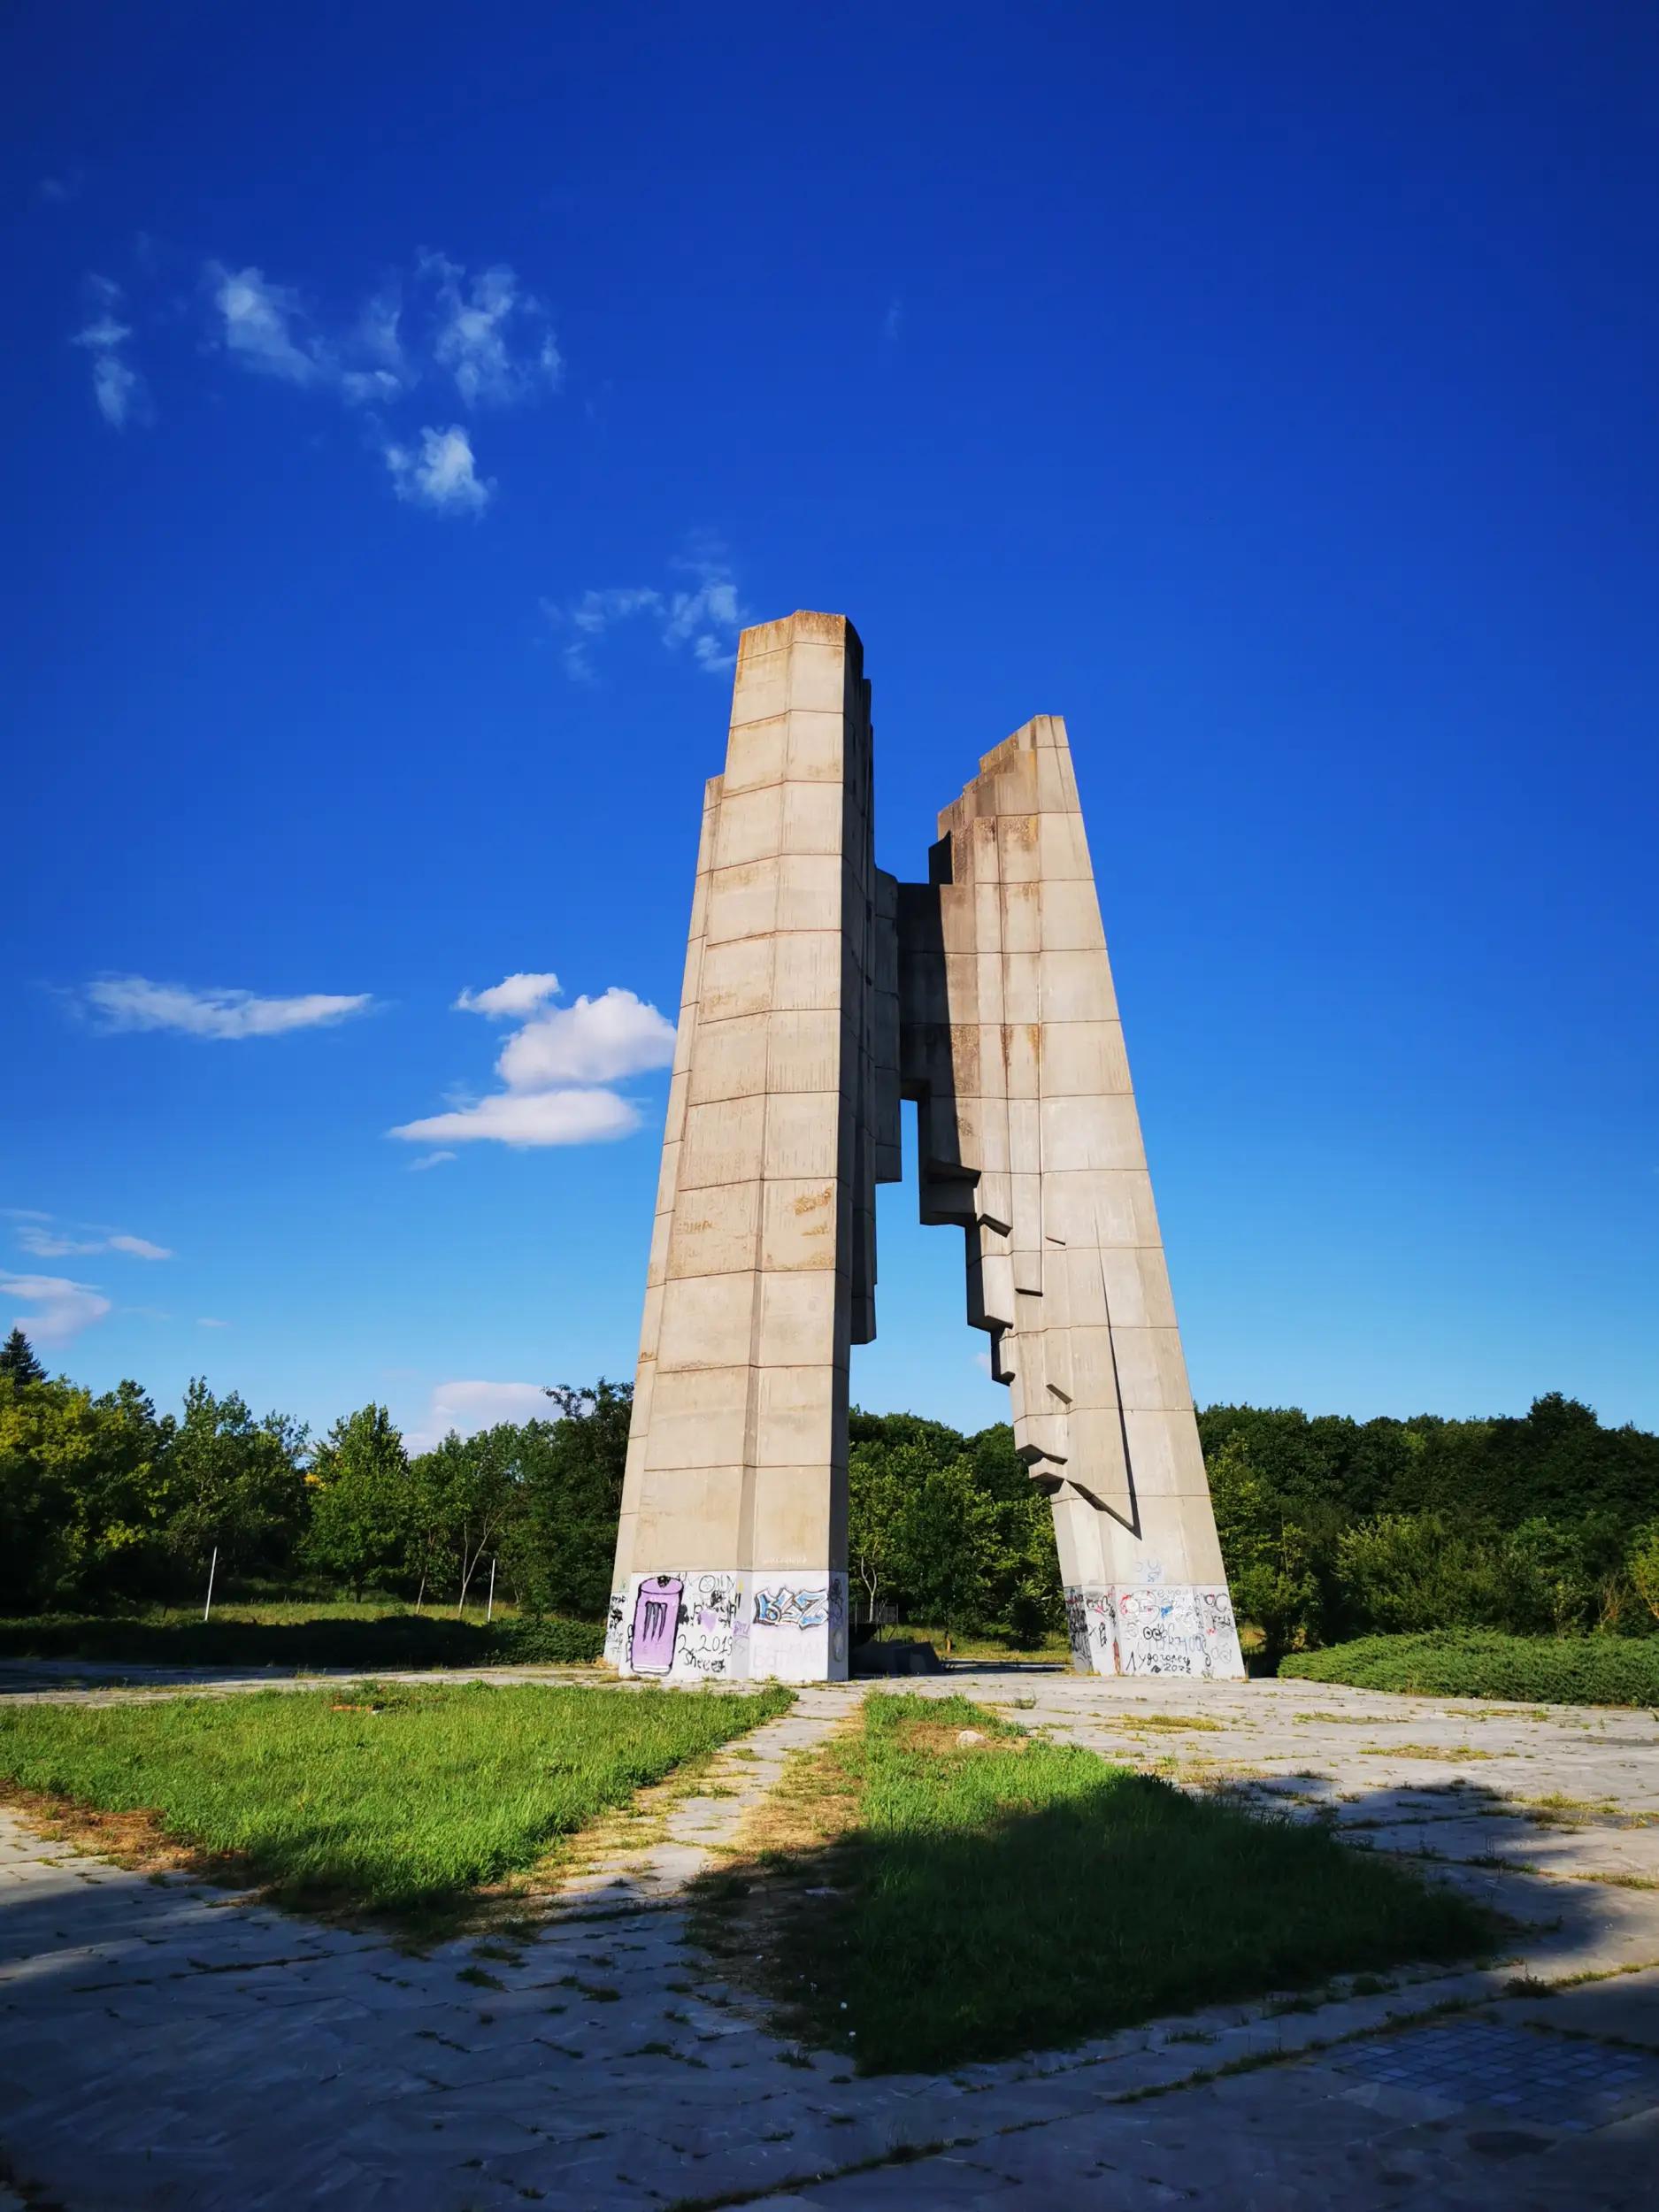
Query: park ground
{"points": [[164, 2041]]}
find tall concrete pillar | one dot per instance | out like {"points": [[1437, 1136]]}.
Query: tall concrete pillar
{"points": [[814, 986], [1012, 1047], [783, 1113]]}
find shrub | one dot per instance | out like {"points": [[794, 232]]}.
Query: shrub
{"points": [[1483, 1662]]}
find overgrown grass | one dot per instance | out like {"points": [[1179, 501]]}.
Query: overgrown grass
{"points": [[1484, 1662], [922, 1903], [969, 1645], [371, 1797], [309, 1634]]}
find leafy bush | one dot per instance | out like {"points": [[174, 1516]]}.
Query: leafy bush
{"points": [[1482, 1663]]}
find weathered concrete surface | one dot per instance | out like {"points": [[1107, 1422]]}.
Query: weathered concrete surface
{"points": [[1011, 1043], [165, 2045], [817, 989]]}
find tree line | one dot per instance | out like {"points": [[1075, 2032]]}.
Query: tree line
{"points": [[1329, 1527], [105, 1501]]}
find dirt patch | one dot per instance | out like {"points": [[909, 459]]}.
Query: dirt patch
{"points": [[943, 1741], [136, 1840]]}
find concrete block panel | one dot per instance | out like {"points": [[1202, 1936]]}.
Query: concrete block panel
{"points": [[798, 1224], [724, 1142], [744, 901], [738, 977], [750, 827], [708, 1320], [730, 1060], [1102, 1132]]}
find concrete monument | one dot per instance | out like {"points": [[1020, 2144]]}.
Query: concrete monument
{"points": [[819, 991]]}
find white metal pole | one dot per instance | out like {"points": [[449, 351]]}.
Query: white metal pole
{"points": [[489, 1610], [212, 1570]]}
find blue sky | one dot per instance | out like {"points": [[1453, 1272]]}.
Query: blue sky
{"points": [[404, 411]]}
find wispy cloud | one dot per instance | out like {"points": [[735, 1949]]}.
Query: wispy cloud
{"points": [[892, 322], [467, 1407], [133, 1002], [701, 617], [441, 475], [208, 1322], [60, 1309], [262, 325], [555, 1068], [116, 386], [45, 1242], [431, 1159], [492, 337]]}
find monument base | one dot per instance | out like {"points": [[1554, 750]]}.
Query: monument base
{"points": [[735, 1624], [1140, 1628]]}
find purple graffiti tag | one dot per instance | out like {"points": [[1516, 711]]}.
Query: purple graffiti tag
{"points": [[656, 1623]]}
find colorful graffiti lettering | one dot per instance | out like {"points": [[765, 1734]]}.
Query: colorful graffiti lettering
{"points": [[791, 1608]]}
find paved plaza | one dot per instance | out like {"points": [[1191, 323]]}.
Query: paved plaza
{"points": [[164, 2044]]}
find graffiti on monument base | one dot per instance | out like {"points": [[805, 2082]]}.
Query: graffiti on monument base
{"points": [[616, 1628], [1182, 1630], [655, 1628], [837, 1618], [1091, 1629], [709, 1629], [787, 1608]]}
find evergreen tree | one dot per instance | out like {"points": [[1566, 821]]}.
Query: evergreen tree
{"points": [[18, 1360]]}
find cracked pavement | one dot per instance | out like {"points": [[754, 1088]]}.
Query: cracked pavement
{"points": [[164, 2044]]}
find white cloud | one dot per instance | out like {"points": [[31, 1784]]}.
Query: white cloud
{"points": [[207, 1322], [492, 337], [596, 1041], [432, 1159], [467, 1407], [515, 995], [117, 386], [704, 616], [52, 1244], [524, 1118], [141, 1248], [442, 475], [62, 1307], [555, 1068], [257, 319], [133, 1002]]}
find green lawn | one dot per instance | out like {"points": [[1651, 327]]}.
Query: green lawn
{"points": [[961, 1904], [1483, 1662], [373, 1796]]}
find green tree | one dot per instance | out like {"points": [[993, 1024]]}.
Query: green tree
{"points": [[875, 1497], [1643, 1565], [476, 1490], [362, 1516], [82, 1492], [18, 1360], [562, 1540], [1269, 1558], [235, 1484], [948, 1548]]}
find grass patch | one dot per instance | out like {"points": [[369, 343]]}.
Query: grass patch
{"points": [[918, 1902], [1483, 1662], [303, 1635], [399, 1799]]}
